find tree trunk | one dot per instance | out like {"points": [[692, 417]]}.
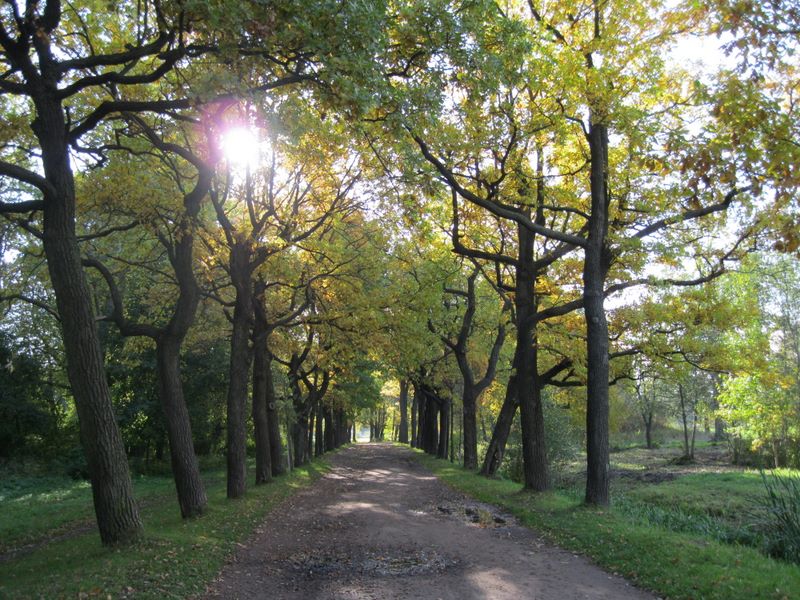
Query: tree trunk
{"points": [[719, 429], [776, 454], [502, 429], [685, 423], [403, 433], [595, 269], [452, 432], [444, 428], [648, 431], [331, 439], [414, 420], [300, 441], [310, 430], [429, 435], [112, 493], [185, 468], [534, 450], [290, 442], [273, 418], [261, 429], [340, 427], [238, 371], [320, 437], [470, 428]]}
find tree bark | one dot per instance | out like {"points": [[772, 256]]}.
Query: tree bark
{"points": [[331, 441], [414, 419], [595, 269], [403, 434], [310, 430], [452, 432], [534, 451], [428, 427], [192, 497], [470, 428], [444, 428], [112, 492], [648, 431], [502, 429], [320, 436], [300, 441], [273, 418], [239, 367], [261, 426]]}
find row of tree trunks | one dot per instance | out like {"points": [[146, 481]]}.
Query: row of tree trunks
{"points": [[377, 424], [433, 416], [316, 427], [331, 429]]}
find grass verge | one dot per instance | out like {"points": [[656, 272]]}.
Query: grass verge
{"points": [[674, 565], [33, 509], [176, 559]]}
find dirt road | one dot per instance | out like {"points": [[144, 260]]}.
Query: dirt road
{"points": [[379, 526]]}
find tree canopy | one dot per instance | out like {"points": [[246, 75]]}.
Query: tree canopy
{"points": [[253, 226]]}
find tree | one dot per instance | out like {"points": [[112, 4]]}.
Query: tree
{"points": [[646, 387], [176, 234], [610, 54], [760, 397], [285, 204], [74, 76], [472, 389], [403, 400]]}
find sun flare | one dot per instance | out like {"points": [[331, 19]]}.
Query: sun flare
{"points": [[241, 147]]}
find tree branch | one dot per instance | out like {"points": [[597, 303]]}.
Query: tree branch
{"points": [[126, 327], [692, 214], [27, 176], [500, 210]]}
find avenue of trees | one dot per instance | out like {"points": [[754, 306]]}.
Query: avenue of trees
{"points": [[496, 231]]}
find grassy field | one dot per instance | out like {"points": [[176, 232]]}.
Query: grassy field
{"points": [[50, 547], [673, 529]]}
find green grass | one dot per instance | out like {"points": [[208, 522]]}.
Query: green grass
{"points": [[27, 505], [176, 559], [672, 564], [727, 495]]}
